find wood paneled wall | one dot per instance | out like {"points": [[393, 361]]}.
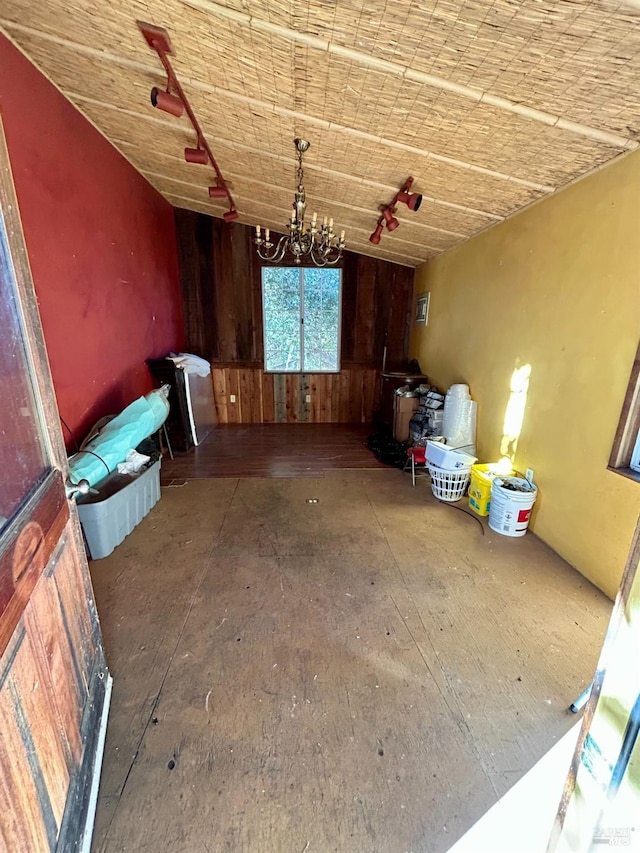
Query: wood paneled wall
{"points": [[345, 397], [222, 305]]}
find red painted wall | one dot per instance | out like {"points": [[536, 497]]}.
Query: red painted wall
{"points": [[101, 244]]}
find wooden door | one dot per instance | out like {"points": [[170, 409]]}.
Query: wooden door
{"points": [[54, 684]]}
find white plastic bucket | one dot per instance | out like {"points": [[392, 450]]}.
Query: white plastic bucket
{"points": [[511, 510]]}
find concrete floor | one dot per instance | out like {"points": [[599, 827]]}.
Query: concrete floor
{"points": [[365, 673]]}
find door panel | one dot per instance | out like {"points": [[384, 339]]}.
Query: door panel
{"points": [[26, 547], [30, 682], [44, 623], [53, 677], [23, 822]]}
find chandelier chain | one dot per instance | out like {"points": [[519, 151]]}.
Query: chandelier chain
{"points": [[300, 170]]}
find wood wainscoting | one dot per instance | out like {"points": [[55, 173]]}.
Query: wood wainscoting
{"points": [[349, 396]]}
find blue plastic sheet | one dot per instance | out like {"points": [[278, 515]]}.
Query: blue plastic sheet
{"points": [[139, 420]]}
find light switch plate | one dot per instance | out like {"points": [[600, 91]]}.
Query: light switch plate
{"points": [[232, 398], [308, 398]]}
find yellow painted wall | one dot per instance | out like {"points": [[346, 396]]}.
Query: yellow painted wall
{"points": [[556, 287]]}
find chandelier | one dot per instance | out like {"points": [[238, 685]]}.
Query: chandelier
{"points": [[316, 242]]}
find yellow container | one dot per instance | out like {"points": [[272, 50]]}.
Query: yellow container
{"points": [[481, 483]]}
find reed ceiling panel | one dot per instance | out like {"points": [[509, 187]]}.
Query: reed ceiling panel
{"points": [[489, 105], [545, 54]]}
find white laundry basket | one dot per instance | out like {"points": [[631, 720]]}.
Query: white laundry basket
{"points": [[448, 485]]}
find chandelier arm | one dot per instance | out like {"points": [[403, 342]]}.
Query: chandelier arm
{"points": [[276, 255], [324, 258], [280, 250]]}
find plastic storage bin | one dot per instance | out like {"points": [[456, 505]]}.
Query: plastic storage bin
{"points": [[121, 503]]}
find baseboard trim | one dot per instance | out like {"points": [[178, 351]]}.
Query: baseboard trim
{"points": [[97, 767], [79, 813]]}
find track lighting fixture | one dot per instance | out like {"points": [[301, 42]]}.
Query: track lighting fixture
{"points": [[375, 237], [158, 40], [389, 219], [412, 200], [196, 155], [387, 211], [167, 102]]}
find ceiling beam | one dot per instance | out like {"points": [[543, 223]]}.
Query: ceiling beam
{"points": [[397, 69]]}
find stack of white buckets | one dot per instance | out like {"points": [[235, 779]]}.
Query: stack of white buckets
{"points": [[512, 498], [459, 420]]}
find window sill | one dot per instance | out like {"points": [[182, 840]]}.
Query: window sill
{"points": [[626, 472]]}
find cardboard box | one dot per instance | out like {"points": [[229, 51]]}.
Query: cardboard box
{"points": [[404, 408]]}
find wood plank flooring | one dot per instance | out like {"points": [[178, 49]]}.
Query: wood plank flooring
{"points": [[274, 450], [367, 673]]}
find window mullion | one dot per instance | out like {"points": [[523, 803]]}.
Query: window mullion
{"points": [[301, 320]]}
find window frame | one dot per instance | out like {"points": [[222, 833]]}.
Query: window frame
{"points": [[626, 444], [301, 269]]}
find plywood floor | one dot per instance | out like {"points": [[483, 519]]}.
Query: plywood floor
{"points": [[366, 673]]}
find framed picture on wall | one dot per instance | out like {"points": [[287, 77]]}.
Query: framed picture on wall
{"points": [[422, 309]]}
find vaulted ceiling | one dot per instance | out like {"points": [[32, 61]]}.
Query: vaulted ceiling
{"points": [[488, 105]]}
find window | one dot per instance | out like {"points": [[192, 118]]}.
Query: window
{"points": [[625, 456], [634, 464], [301, 315]]}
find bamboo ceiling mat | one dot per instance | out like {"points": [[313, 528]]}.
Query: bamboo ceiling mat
{"points": [[489, 105]]}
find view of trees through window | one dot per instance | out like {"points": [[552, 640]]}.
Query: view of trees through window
{"points": [[301, 309]]}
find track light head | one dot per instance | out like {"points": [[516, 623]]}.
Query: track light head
{"points": [[230, 215], [217, 192], [412, 200], [390, 221], [167, 102], [377, 234], [196, 155]]}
